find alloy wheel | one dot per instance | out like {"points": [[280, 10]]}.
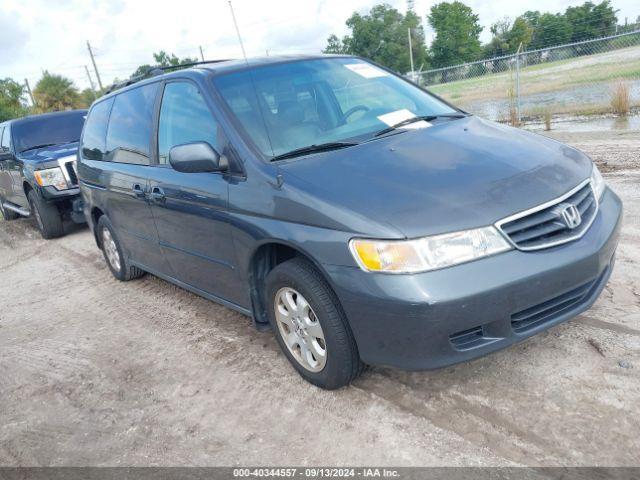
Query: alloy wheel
{"points": [[300, 329], [110, 249]]}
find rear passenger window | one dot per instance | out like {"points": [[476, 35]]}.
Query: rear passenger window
{"points": [[184, 118], [94, 137], [130, 126]]}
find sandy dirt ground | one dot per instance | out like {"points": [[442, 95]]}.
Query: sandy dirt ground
{"points": [[98, 372]]}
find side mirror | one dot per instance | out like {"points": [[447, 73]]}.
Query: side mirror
{"points": [[197, 157]]}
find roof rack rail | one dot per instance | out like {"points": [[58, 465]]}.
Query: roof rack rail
{"points": [[155, 71]]}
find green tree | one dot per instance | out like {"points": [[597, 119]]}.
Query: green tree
{"points": [[591, 21], [521, 33], [457, 34], [382, 36], [162, 59], [499, 44], [551, 30], [12, 101], [87, 97], [334, 45], [54, 93]]}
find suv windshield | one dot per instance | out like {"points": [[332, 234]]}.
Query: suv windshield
{"points": [[37, 132], [289, 106]]}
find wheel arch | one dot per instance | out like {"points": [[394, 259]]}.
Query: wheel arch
{"points": [[96, 213], [266, 256]]}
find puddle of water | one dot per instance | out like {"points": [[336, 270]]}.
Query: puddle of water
{"points": [[599, 124], [596, 94]]}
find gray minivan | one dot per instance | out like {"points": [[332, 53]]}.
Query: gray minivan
{"points": [[363, 219]]}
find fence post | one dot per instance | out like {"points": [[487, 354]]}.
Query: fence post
{"points": [[518, 84]]}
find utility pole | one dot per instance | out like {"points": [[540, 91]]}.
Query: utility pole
{"points": [[201, 54], [518, 53], [95, 67], [93, 87], [410, 53], [244, 54], [26, 83]]}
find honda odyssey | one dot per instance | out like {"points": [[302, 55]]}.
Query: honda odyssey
{"points": [[361, 218]]}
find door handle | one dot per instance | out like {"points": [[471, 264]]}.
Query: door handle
{"points": [[138, 191], [157, 195]]}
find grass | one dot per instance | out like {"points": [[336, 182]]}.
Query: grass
{"points": [[621, 98], [547, 119], [549, 77]]}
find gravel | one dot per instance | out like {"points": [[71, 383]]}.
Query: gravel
{"points": [[98, 372]]}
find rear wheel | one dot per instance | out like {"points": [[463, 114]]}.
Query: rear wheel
{"points": [[113, 253], [6, 213], [47, 217], [310, 326]]}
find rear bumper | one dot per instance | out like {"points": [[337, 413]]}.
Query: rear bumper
{"points": [[439, 318]]}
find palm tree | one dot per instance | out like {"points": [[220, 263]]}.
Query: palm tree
{"points": [[54, 93]]}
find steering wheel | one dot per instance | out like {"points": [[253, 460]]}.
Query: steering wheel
{"points": [[352, 110]]}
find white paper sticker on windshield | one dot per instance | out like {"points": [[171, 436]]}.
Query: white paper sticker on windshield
{"points": [[394, 118], [366, 70]]}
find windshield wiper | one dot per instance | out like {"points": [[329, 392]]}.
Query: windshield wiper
{"points": [[322, 147], [408, 121], [38, 146]]}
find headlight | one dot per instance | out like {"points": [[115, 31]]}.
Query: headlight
{"points": [[51, 177], [597, 182], [428, 253]]}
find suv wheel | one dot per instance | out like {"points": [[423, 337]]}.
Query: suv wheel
{"points": [[310, 326], [113, 253], [46, 215], [6, 213]]}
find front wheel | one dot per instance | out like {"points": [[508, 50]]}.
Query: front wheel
{"points": [[310, 326], [47, 217]]}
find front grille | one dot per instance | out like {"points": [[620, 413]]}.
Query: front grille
{"points": [[71, 170], [532, 317], [544, 226]]}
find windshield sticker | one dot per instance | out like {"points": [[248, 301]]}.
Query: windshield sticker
{"points": [[398, 116], [367, 71]]}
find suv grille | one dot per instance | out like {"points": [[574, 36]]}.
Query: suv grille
{"points": [[554, 223], [71, 170]]}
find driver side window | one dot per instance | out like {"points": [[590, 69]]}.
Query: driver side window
{"points": [[184, 118]]}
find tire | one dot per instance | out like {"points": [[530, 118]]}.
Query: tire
{"points": [[6, 213], [341, 363], [113, 252], [47, 217]]}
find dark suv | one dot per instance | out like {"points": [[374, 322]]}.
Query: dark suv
{"points": [[38, 169], [362, 218]]}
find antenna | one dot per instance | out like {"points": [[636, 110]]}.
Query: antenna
{"points": [[244, 54]]}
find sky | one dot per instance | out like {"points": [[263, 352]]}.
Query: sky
{"points": [[37, 35]]}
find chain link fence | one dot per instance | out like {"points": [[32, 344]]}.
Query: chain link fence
{"points": [[592, 77]]}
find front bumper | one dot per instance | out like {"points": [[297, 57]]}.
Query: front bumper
{"points": [[439, 318]]}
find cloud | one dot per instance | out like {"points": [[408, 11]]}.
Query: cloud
{"points": [[13, 36]]}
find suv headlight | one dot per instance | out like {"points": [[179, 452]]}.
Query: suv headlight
{"points": [[597, 182], [428, 253], [51, 177]]}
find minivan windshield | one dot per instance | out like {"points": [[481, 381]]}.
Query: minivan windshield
{"points": [[321, 102], [48, 130]]}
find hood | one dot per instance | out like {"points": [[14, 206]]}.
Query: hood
{"points": [[46, 154], [455, 175]]}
